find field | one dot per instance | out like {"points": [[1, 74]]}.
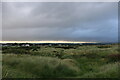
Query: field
{"points": [[61, 61]]}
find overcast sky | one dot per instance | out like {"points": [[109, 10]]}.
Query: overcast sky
{"points": [[75, 21]]}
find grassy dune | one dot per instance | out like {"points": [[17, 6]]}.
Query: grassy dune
{"points": [[90, 61]]}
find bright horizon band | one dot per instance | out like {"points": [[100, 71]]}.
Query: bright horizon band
{"points": [[44, 42]]}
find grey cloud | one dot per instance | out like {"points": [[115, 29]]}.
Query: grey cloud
{"points": [[60, 21]]}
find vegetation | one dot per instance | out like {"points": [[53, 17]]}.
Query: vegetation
{"points": [[73, 61]]}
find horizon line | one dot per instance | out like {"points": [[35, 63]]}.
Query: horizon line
{"points": [[46, 42]]}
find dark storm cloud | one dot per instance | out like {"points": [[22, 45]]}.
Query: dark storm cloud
{"points": [[60, 21], [0, 21]]}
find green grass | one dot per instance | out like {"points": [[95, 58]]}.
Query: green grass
{"points": [[50, 62], [105, 71], [38, 66]]}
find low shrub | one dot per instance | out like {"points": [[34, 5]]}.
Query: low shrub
{"points": [[114, 57], [104, 46]]}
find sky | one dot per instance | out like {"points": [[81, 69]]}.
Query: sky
{"points": [[55, 21]]}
